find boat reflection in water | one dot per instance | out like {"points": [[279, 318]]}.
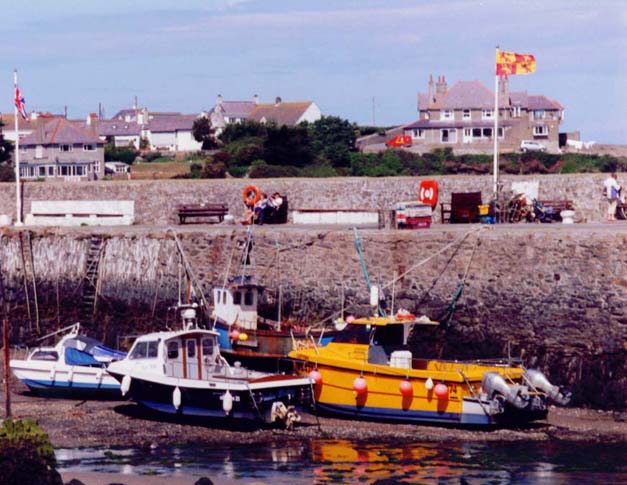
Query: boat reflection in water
{"points": [[342, 461]]}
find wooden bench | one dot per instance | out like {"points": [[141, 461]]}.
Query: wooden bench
{"points": [[463, 208], [201, 210], [558, 206]]}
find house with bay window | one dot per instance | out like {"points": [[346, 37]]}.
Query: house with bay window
{"points": [[462, 117], [60, 149]]}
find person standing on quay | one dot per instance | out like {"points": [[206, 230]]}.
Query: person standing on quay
{"points": [[612, 192]]}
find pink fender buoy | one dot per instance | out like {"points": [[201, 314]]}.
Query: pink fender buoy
{"points": [[360, 386], [234, 335], [441, 391], [406, 388], [316, 377]]}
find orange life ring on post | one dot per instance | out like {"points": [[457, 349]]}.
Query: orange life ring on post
{"points": [[251, 195]]}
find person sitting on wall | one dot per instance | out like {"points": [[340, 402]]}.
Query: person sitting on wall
{"points": [[612, 192], [274, 204], [260, 209]]}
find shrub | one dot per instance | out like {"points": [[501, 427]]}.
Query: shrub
{"points": [[7, 174], [26, 455], [263, 170], [238, 172], [152, 156]]}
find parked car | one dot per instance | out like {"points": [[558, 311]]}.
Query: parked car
{"points": [[399, 141], [531, 145]]}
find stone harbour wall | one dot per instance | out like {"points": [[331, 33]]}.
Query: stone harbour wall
{"points": [[551, 294], [156, 200]]}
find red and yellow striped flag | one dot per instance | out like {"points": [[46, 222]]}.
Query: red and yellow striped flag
{"points": [[511, 63]]}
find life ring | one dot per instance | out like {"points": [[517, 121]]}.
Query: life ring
{"points": [[251, 195]]}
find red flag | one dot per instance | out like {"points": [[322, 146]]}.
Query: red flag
{"points": [[511, 63], [19, 102]]}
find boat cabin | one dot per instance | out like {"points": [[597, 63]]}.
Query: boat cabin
{"points": [[385, 337], [237, 303], [191, 354]]}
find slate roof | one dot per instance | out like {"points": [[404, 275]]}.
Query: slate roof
{"points": [[235, 109], [542, 102], [454, 124], [8, 119], [284, 113], [170, 122], [59, 131], [117, 128]]}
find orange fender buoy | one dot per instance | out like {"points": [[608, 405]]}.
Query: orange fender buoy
{"points": [[251, 195]]}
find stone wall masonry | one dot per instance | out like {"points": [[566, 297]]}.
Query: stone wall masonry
{"points": [[156, 200], [553, 294]]}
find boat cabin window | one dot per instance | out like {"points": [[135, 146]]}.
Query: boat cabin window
{"points": [[45, 355], [145, 350], [237, 298], [248, 298], [191, 348], [354, 334], [173, 350], [207, 347], [389, 336]]}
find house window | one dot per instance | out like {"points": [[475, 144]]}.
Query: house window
{"points": [[448, 135], [50, 170], [446, 114], [80, 170], [487, 133], [42, 171], [476, 132], [89, 147], [466, 114], [64, 170], [501, 133], [487, 114], [65, 148], [540, 130], [538, 114], [516, 112], [418, 133]]}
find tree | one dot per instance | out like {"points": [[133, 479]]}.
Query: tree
{"points": [[204, 133], [288, 146], [333, 138], [245, 129], [6, 147]]}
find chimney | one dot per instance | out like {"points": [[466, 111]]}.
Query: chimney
{"points": [[440, 86], [256, 99], [219, 100], [430, 90], [92, 121], [503, 91], [277, 101], [40, 131]]}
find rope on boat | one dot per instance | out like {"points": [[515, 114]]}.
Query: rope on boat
{"points": [[188, 269], [447, 316], [252, 398], [472, 391]]}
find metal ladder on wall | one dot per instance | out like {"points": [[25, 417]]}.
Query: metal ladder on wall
{"points": [[91, 280], [29, 280]]}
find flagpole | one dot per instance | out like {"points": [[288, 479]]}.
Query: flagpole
{"points": [[496, 131], [18, 195]]}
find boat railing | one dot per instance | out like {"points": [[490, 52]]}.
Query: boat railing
{"points": [[70, 329]]}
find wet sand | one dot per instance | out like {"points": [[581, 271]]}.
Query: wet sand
{"points": [[87, 423]]}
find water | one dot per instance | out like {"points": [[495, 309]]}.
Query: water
{"points": [[337, 461]]}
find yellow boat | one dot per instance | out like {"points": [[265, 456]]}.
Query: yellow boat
{"points": [[368, 372]]}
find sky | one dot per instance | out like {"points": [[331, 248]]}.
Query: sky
{"points": [[363, 60]]}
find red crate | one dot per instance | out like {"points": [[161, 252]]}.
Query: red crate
{"points": [[416, 223]]}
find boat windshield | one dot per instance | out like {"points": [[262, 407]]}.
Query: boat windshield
{"points": [[389, 336], [354, 334], [145, 350]]}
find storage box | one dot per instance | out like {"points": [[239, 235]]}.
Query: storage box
{"points": [[401, 359], [415, 223], [484, 209]]}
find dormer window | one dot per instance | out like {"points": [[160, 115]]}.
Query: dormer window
{"points": [[487, 114], [538, 114], [466, 114], [446, 114], [89, 147], [65, 148]]}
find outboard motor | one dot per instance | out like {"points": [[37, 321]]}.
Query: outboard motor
{"points": [[517, 395], [537, 379]]}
